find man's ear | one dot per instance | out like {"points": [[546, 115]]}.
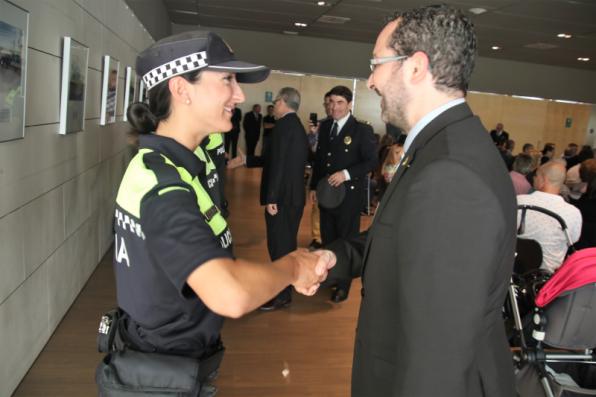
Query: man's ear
{"points": [[418, 67]]}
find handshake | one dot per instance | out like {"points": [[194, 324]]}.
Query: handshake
{"points": [[311, 269]]}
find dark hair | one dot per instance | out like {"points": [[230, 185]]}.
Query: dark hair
{"points": [[145, 118], [509, 144], [447, 38], [527, 146], [548, 147], [585, 153], [327, 95], [342, 90], [587, 173]]}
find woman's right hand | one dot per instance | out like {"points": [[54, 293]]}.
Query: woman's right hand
{"points": [[311, 269]]}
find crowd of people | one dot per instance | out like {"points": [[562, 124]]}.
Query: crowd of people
{"points": [[439, 252]]}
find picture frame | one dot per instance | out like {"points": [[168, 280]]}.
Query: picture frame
{"points": [[130, 90], [14, 28], [109, 90], [75, 62], [142, 92]]}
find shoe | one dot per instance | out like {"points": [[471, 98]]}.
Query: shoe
{"points": [[315, 245], [339, 295], [276, 303]]}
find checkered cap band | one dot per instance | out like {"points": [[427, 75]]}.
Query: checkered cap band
{"points": [[178, 66]]}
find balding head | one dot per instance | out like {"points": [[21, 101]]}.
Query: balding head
{"points": [[550, 177]]}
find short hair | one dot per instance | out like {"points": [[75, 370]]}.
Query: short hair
{"points": [[327, 95], [447, 38], [291, 97], [255, 106], [509, 144], [587, 173], [527, 146], [343, 91], [554, 171], [548, 147], [523, 163]]}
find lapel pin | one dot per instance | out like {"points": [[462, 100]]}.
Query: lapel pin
{"points": [[348, 140], [406, 162]]}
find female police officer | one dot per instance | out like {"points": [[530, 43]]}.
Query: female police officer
{"points": [[175, 272]]}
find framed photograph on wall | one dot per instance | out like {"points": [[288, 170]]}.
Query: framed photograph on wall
{"points": [[130, 81], [75, 59], [109, 90], [14, 24], [141, 92]]}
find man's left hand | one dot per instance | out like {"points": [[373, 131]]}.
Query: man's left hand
{"points": [[271, 209], [337, 179]]}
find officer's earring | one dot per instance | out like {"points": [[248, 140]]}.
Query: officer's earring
{"points": [[188, 101]]}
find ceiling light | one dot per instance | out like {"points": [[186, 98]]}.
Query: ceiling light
{"points": [[495, 48], [583, 59], [321, 3], [186, 12], [300, 24], [564, 35], [477, 10]]}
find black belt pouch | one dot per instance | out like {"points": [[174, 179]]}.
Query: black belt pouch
{"points": [[130, 372]]}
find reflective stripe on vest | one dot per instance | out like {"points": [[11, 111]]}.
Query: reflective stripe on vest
{"points": [[139, 180]]}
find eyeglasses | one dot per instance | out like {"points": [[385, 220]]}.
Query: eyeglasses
{"points": [[379, 61]]}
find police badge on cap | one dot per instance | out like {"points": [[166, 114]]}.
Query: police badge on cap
{"points": [[189, 51]]}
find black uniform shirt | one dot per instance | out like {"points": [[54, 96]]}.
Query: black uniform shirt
{"points": [[165, 315]]}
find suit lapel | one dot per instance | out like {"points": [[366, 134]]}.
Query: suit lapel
{"points": [[438, 124]]}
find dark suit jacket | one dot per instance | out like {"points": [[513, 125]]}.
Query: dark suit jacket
{"points": [[354, 149], [252, 124], [498, 139], [283, 162], [283, 174], [436, 266]]}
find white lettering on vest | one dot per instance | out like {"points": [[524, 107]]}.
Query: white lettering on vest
{"points": [[211, 181], [122, 253], [226, 239]]}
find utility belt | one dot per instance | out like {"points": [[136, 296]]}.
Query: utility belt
{"points": [[125, 371]]}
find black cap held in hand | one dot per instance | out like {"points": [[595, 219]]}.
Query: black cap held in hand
{"points": [[190, 51], [329, 196]]}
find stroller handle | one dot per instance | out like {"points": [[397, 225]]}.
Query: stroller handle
{"points": [[525, 207]]}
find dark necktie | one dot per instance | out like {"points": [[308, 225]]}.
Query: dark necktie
{"points": [[333, 131]]}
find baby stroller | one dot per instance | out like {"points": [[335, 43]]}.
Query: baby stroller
{"points": [[562, 362]]}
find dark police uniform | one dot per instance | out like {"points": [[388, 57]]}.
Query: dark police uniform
{"points": [[354, 150], [215, 148], [167, 224]]}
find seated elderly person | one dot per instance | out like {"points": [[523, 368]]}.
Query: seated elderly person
{"points": [[522, 166], [587, 204], [543, 228]]}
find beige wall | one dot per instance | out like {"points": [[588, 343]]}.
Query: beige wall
{"points": [[526, 120], [57, 192], [533, 121]]}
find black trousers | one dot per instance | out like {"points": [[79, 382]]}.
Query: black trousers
{"points": [[342, 222], [231, 142], [282, 235], [251, 142]]}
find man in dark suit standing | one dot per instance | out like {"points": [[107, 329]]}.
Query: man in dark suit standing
{"points": [[231, 137], [437, 259], [499, 135], [282, 182], [346, 153], [283, 179], [252, 128]]}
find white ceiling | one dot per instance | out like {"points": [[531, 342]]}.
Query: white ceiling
{"points": [[509, 24]]}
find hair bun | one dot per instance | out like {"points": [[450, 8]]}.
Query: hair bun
{"points": [[141, 118]]}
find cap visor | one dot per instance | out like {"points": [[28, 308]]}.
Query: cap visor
{"points": [[245, 72]]}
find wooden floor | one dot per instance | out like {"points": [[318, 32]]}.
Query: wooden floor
{"points": [[313, 338]]}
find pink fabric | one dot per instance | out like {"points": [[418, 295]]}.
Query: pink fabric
{"points": [[520, 183], [578, 270]]}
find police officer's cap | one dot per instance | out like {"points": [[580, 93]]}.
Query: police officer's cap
{"points": [[189, 51], [330, 196]]}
